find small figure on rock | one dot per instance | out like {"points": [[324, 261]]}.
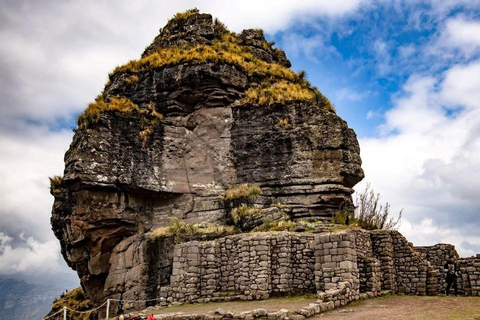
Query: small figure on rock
{"points": [[451, 269]]}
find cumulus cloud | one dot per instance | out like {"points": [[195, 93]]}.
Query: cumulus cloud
{"points": [[30, 256], [426, 159]]}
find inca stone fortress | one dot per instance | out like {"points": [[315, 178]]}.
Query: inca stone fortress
{"points": [[204, 110]]}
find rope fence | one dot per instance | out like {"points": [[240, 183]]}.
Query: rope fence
{"points": [[107, 303]]}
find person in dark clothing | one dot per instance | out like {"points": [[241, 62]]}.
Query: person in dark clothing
{"points": [[450, 268]]}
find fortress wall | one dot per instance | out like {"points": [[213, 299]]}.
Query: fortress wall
{"points": [[338, 267]]}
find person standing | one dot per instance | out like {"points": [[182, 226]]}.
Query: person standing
{"points": [[451, 269]]}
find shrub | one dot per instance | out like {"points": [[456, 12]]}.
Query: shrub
{"points": [[373, 215], [244, 190]]}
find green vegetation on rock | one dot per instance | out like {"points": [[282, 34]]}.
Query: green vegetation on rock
{"points": [[74, 300]]}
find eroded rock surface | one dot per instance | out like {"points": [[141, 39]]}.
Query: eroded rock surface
{"points": [[122, 178]]}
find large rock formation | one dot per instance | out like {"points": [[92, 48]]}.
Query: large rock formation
{"points": [[202, 110]]}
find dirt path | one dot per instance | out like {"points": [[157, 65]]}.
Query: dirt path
{"points": [[273, 304], [388, 307], [409, 308]]}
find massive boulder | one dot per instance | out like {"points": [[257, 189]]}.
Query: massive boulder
{"points": [[201, 111]]}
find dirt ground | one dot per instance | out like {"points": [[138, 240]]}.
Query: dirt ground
{"points": [[273, 304], [388, 307], [409, 308]]}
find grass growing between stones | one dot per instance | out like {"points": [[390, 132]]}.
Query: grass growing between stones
{"points": [[181, 229]]}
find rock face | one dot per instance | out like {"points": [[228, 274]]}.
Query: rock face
{"points": [[126, 175]]}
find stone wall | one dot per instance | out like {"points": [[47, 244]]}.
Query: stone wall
{"points": [[437, 255], [338, 267]]}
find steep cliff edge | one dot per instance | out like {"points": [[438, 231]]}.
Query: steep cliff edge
{"points": [[202, 110]]}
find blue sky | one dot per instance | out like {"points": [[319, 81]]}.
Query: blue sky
{"points": [[404, 74]]}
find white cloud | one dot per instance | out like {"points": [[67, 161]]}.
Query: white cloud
{"points": [[458, 38], [26, 162], [426, 160], [29, 257]]}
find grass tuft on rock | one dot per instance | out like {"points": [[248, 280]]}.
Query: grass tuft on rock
{"points": [[75, 300], [239, 214], [242, 191], [280, 92], [55, 182], [185, 14], [149, 116], [182, 229], [275, 225]]}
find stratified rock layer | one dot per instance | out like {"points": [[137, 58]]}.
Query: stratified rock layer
{"points": [[120, 182]]}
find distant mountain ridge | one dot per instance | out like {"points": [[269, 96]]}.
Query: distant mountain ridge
{"points": [[20, 300]]}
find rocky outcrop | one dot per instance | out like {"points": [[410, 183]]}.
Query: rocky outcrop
{"points": [[202, 110]]}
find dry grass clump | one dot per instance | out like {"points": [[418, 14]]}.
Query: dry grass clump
{"points": [[279, 92], [275, 225], [283, 123], [180, 228], [75, 300], [185, 14], [286, 84], [239, 214], [132, 80], [122, 105], [222, 51], [244, 190], [55, 182]]}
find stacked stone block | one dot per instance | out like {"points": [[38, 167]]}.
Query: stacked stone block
{"points": [[437, 256], [470, 275], [383, 250], [336, 263], [370, 275], [410, 268]]}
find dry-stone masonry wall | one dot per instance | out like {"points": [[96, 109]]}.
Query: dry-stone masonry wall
{"points": [[469, 268], [338, 267]]}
